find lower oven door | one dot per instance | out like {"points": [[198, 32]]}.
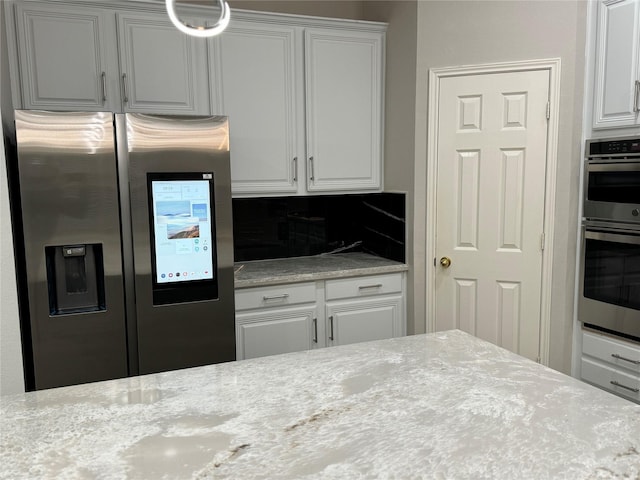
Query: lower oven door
{"points": [[610, 279]]}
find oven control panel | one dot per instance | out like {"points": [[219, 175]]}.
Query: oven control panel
{"points": [[622, 146]]}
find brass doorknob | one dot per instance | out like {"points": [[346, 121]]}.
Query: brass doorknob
{"points": [[445, 262]]}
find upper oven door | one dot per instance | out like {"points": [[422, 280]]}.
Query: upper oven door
{"points": [[610, 279], [612, 191]]}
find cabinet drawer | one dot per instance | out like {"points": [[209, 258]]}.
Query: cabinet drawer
{"points": [[275, 296], [363, 286], [610, 378], [615, 352]]}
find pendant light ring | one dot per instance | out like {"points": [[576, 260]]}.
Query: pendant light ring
{"points": [[200, 31]]}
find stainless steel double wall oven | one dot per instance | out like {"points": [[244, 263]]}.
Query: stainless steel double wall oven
{"points": [[610, 265]]}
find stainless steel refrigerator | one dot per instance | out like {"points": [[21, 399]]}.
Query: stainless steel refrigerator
{"points": [[128, 248]]}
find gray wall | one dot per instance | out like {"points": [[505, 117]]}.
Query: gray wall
{"points": [[400, 162], [452, 33], [11, 371]]}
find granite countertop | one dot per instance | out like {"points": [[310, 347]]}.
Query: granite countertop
{"points": [[444, 405], [318, 267]]}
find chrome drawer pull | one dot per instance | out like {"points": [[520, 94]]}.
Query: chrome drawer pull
{"points": [[315, 330], [619, 357], [634, 390], [275, 297], [125, 98], [311, 176], [104, 87], [331, 325], [362, 287]]}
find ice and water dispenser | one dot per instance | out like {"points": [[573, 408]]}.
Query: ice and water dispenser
{"points": [[75, 277]]}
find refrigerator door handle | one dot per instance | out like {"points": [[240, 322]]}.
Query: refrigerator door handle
{"points": [[128, 267]]}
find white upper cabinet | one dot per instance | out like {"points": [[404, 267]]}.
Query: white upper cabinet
{"points": [[344, 74], [68, 57], [304, 95], [304, 102], [162, 70], [255, 66], [617, 82]]}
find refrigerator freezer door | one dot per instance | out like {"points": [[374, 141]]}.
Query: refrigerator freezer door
{"points": [[70, 213], [182, 239]]}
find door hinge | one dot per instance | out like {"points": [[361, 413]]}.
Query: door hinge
{"points": [[548, 110], [542, 241]]}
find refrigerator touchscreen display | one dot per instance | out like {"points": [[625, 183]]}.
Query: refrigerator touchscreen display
{"points": [[184, 246]]}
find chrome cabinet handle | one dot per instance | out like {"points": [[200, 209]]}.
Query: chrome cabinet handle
{"points": [[295, 169], [311, 176], [363, 287], [636, 108], [124, 88], [331, 327], [315, 330], [104, 87], [634, 390], [620, 357], [275, 297]]}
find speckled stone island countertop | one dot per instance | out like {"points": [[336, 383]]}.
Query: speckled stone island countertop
{"points": [[318, 267], [444, 405]]}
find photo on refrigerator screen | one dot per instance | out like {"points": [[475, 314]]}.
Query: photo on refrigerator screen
{"points": [[183, 228], [173, 209], [200, 211]]}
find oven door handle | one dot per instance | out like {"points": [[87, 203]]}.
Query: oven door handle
{"points": [[629, 239], [613, 167]]}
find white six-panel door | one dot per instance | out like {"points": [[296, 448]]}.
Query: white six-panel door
{"points": [[491, 162]]}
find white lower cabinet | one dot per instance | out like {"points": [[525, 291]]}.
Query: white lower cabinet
{"points": [[364, 308], [364, 320], [611, 364], [302, 316], [279, 330]]}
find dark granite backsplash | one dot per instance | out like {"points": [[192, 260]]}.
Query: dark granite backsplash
{"points": [[280, 227]]}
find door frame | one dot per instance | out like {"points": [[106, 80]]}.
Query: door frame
{"points": [[435, 76]]}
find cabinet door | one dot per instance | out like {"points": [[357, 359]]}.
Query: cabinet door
{"points": [[274, 331], [344, 76], [617, 64], [610, 378], [67, 57], [260, 95], [162, 69], [364, 320]]}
